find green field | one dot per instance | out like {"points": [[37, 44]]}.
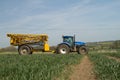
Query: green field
{"points": [[35, 67], [52, 66], [105, 68]]}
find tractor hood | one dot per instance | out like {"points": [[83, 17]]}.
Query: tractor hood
{"points": [[80, 43]]}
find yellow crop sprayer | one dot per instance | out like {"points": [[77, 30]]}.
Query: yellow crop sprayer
{"points": [[28, 43]]}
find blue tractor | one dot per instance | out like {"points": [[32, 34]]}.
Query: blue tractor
{"points": [[69, 45]]}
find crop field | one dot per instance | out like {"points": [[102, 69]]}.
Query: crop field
{"points": [[105, 66], [34, 67]]}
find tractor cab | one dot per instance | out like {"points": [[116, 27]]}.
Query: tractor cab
{"points": [[69, 40]]}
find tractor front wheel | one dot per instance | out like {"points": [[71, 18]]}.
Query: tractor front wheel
{"points": [[63, 49], [82, 50]]}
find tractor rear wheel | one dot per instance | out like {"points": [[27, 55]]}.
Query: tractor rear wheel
{"points": [[82, 50], [24, 49], [63, 49]]}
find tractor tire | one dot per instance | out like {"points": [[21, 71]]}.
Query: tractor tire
{"points": [[63, 49], [24, 50], [82, 50]]}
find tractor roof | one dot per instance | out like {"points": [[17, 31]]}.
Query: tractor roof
{"points": [[67, 36]]}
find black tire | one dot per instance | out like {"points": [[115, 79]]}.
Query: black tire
{"points": [[24, 50], [63, 49], [82, 50], [31, 52]]}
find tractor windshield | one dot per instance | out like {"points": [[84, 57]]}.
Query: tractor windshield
{"points": [[69, 40]]}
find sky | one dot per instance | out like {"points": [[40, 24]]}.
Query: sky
{"points": [[89, 20]]}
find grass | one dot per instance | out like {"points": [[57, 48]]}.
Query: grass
{"points": [[55, 66], [105, 69], [35, 67], [117, 55]]}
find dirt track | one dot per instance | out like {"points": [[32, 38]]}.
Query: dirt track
{"points": [[83, 71]]}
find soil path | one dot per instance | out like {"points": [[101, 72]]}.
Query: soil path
{"points": [[83, 71]]}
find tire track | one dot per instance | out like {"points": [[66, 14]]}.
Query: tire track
{"points": [[83, 71]]}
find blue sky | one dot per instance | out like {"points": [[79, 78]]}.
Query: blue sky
{"points": [[89, 20]]}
